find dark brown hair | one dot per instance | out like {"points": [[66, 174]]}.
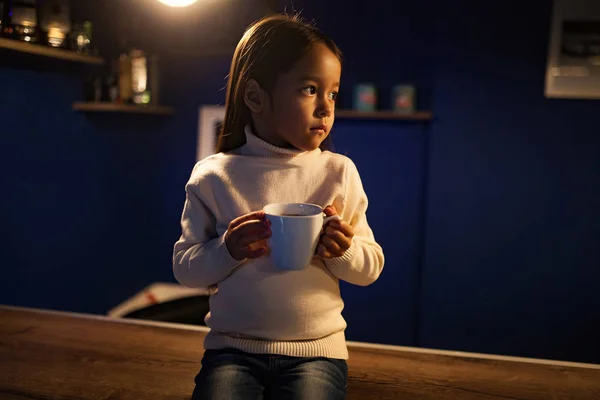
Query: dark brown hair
{"points": [[269, 48]]}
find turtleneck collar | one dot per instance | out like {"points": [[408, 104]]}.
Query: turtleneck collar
{"points": [[255, 146]]}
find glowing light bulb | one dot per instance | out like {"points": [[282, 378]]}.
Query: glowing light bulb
{"points": [[178, 3]]}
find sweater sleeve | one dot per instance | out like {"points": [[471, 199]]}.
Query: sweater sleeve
{"points": [[200, 256], [363, 262]]}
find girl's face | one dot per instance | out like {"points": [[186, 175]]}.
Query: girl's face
{"points": [[302, 103]]}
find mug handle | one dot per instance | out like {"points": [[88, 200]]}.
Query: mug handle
{"points": [[330, 218], [327, 219]]}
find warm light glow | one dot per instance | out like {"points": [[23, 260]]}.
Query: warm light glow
{"points": [[55, 37], [178, 3]]}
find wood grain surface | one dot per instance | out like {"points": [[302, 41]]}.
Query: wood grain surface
{"points": [[52, 355]]}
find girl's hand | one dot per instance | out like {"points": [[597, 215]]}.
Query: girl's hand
{"points": [[337, 236], [245, 233]]}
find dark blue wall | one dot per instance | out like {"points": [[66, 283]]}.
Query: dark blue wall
{"points": [[499, 250], [90, 203], [488, 215], [512, 260]]}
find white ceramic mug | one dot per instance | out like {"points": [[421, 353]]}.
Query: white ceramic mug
{"points": [[296, 228]]}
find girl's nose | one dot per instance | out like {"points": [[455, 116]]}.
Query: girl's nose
{"points": [[324, 111]]}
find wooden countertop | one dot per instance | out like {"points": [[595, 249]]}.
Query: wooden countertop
{"points": [[54, 355]]}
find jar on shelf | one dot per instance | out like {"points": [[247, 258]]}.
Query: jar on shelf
{"points": [[81, 37], [21, 20], [55, 22]]}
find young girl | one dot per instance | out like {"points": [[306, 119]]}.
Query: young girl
{"points": [[274, 334]]}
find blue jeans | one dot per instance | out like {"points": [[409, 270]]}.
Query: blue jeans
{"points": [[230, 374]]}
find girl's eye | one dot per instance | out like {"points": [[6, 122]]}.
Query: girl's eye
{"points": [[310, 90], [333, 96]]}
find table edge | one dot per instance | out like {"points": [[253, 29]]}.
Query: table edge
{"points": [[351, 344]]}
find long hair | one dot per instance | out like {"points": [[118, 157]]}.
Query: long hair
{"points": [[269, 48]]}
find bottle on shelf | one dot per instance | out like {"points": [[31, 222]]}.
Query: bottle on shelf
{"points": [[130, 79], [139, 77], [112, 83], [125, 81]]}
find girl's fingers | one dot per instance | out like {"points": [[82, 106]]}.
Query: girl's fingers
{"points": [[332, 246], [261, 251], [342, 240], [249, 232], [342, 226], [257, 215], [329, 211], [252, 238], [323, 252]]}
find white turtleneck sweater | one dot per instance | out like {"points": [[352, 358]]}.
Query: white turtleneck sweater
{"points": [[253, 306]]}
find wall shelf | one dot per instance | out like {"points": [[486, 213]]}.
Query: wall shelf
{"points": [[46, 51], [385, 115], [123, 108]]}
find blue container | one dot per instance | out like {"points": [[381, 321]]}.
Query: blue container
{"points": [[365, 97], [404, 98]]}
